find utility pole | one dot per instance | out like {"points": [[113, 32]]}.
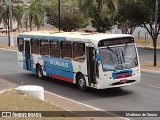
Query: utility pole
{"points": [[59, 14], [8, 31], [11, 25]]}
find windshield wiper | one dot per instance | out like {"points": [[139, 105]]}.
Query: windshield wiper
{"points": [[125, 47], [113, 53], [123, 55]]}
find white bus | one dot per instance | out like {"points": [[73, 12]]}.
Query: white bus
{"points": [[87, 59]]}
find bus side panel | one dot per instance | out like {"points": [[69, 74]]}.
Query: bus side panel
{"points": [[33, 65], [23, 60], [21, 57], [59, 69]]}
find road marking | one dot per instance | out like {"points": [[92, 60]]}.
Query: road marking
{"points": [[2, 91], [153, 86], [147, 84], [85, 105]]}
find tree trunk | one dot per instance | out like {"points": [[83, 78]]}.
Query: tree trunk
{"points": [[26, 24], [30, 22], [18, 28], [155, 51], [100, 5]]}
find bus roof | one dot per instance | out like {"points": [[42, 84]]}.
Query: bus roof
{"points": [[75, 36]]}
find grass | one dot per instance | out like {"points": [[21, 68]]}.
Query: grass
{"points": [[17, 101]]}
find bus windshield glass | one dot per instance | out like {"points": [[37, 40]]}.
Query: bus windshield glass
{"points": [[119, 57]]}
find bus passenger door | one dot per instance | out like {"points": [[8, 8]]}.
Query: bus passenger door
{"points": [[27, 55], [91, 65]]}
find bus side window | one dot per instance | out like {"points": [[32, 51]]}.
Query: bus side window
{"points": [[66, 50], [79, 52], [54, 49], [34, 46], [44, 47], [20, 44]]}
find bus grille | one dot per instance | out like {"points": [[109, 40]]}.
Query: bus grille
{"points": [[120, 83]]}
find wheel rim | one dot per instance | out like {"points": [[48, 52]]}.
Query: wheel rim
{"points": [[81, 83]]}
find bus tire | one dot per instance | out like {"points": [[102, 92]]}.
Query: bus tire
{"points": [[40, 72], [81, 82]]}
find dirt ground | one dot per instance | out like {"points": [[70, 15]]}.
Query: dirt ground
{"points": [[17, 101], [149, 65]]}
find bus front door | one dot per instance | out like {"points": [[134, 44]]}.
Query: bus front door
{"points": [[91, 65], [27, 56]]}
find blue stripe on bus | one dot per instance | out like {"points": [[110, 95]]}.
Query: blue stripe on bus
{"points": [[43, 37], [59, 67], [114, 74], [33, 69]]}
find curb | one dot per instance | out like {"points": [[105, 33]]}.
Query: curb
{"points": [[150, 71], [73, 105], [5, 90], [7, 49]]}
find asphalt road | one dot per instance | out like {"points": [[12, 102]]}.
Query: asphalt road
{"points": [[144, 96], [147, 54], [4, 39]]}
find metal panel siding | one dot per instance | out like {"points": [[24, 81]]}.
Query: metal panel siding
{"points": [[59, 67], [24, 61], [114, 74]]}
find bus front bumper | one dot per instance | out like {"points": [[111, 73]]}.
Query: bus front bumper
{"points": [[113, 83]]}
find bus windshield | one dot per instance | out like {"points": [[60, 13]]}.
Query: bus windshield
{"points": [[119, 57]]}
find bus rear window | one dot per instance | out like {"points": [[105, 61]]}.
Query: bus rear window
{"points": [[20, 44]]}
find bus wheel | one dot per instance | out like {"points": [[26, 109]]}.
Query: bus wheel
{"points": [[82, 83], [40, 72]]}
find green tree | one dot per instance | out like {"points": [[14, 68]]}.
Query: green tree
{"points": [[101, 12], [148, 18], [143, 14], [4, 12], [71, 16], [17, 12], [127, 14], [102, 23], [35, 13]]}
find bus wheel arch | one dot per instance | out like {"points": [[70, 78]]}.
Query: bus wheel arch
{"points": [[39, 71], [81, 82]]}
